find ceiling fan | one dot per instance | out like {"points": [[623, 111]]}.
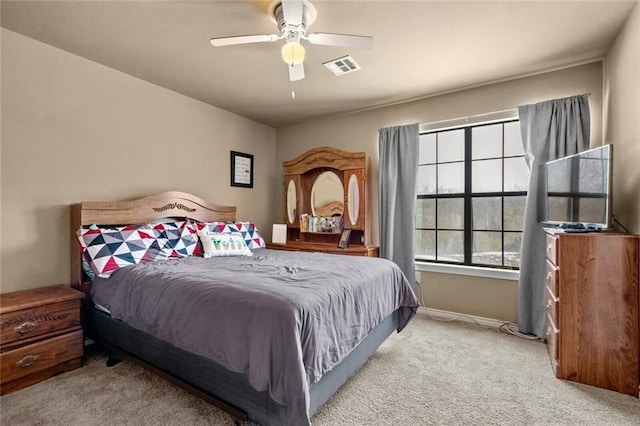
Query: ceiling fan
{"points": [[293, 18]]}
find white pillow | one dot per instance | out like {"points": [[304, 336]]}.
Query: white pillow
{"points": [[223, 244]]}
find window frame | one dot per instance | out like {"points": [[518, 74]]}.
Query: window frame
{"points": [[467, 266]]}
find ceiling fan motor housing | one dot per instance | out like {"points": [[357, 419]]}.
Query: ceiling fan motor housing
{"points": [[292, 32]]}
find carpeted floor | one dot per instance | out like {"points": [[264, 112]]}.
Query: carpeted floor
{"points": [[443, 373]]}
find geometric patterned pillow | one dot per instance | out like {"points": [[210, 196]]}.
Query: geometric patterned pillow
{"points": [[167, 234], [178, 239], [218, 227], [250, 234], [187, 242], [248, 230], [108, 249]]}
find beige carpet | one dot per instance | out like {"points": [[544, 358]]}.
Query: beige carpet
{"points": [[443, 373]]}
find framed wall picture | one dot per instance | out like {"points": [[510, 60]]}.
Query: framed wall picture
{"points": [[241, 169], [344, 238], [279, 233]]}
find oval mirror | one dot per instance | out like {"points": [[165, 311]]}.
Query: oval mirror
{"points": [[291, 201], [327, 195], [353, 199]]}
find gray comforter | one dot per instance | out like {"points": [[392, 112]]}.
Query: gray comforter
{"points": [[282, 318]]}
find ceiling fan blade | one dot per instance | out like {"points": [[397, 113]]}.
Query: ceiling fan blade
{"points": [[296, 72], [292, 11], [228, 41], [343, 40]]}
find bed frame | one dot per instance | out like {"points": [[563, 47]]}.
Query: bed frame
{"points": [[228, 390]]}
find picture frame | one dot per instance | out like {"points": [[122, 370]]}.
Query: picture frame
{"points": [[279, 233], [241, 169], [344, 238]]}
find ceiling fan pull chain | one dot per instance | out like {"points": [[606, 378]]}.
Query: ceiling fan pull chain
{"points": [[293, 91]]}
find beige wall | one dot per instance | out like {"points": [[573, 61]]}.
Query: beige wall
{"points": [[75, 130], [491, 298], [622, 120], [359, 132]]}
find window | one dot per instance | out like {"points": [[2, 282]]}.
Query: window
{"points": [[472, 187]]}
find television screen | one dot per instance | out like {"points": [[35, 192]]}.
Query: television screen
{"points": [[579, 188]]}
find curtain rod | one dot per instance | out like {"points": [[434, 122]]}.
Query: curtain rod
{"points": [[459, 121], [476, 118]]}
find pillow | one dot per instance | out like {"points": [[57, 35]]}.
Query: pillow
{"points": [[187, 244], [248, 230], [107, 249], [218, 227], [223, 244], [86, 268], [251, 235], [167, 234], [178, 239]]}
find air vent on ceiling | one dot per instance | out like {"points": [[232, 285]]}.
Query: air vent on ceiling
{"points": [[343, 65]]}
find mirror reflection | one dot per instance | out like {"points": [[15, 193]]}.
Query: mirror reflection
{"points": [[327, 195], [354, 199], [291, 201]]}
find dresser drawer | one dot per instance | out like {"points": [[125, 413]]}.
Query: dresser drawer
{"points": [[552, 306], [552, 335], [39, 356], [551, 278], [25, 324], [552, 248]]}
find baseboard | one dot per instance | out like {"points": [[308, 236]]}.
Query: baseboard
{"points": [[456, 316]]}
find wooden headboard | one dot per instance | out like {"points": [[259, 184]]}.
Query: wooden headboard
{"points": [[140, 211]]}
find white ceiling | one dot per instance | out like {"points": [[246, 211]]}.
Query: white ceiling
{"points": [[421, 48]]}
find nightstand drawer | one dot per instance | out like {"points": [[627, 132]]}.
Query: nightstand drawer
{"points": [[39, 356], [28, 323]]}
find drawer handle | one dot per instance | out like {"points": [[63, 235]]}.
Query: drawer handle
{"points": [[27, 360], [548, 331], [549, 303], [549, 275], [549, 247], [25, 327]]}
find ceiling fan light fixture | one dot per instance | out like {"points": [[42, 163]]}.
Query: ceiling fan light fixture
{"points": [[293, 53]]}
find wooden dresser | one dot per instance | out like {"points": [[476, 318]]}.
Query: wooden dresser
{"points": [[353, 250], [592, 309], [323, 186], [40, 334]]}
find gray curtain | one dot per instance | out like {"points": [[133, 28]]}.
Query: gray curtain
{"points": [[397, 174], [550, 130]]}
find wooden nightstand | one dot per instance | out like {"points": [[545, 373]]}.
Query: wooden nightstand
{"points": [[40, 334]]}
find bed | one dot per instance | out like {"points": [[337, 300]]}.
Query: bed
{"points": [[269, 337]]}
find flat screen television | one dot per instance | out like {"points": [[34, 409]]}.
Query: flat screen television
{"points": [[579, 188]]}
